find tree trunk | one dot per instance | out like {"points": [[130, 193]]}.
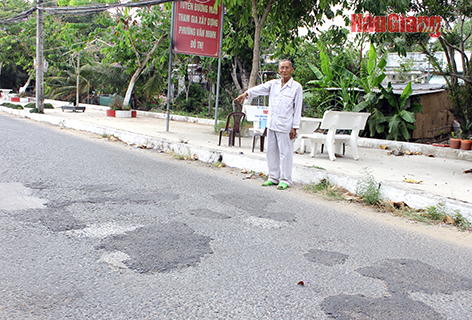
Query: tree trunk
{"points": [[256, 53], [243, 85], [23, 89], [234, 75], [256, 56], [138, 71], [187, 87], [132, 81], [210, 94]]}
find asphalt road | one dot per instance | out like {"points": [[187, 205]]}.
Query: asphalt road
{"points": [[94, 229]]}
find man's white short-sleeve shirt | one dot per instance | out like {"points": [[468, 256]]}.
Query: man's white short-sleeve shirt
{"points": [[285, 104]]}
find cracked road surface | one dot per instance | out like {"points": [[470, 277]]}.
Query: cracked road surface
{"points": [[94, 229]]}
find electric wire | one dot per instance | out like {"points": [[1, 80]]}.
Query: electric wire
{"points": [[76, 10]]}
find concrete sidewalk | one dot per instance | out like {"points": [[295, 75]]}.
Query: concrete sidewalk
{"points": [[443, 180]]}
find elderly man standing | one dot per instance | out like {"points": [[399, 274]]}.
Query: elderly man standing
{"points": [[285, 110]]}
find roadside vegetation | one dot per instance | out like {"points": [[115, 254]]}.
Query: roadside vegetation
{"points": [[12, 105], [369, 194], [122, 57]]}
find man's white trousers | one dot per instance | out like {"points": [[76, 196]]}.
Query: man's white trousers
{"points": [[279, 157]]}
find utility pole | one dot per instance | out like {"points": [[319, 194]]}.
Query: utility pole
{"points": [[78, 79], [39, 58]]}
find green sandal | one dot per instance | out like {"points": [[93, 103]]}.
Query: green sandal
{"points": [[268, 183], [282, 186]]}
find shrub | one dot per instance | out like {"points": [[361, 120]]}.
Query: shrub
{"points": [[368, 188], [196, 99], [35, 110], [12, 105], [33, 105]]}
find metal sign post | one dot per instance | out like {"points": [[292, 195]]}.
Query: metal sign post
{"points": [[219, 69], [169, 77]]}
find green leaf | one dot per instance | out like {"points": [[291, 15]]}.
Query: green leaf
{"points": [[405, 94], [372, 59], [360, 106], [316, 71], [407, 116], [378, 80], [393, 123], [404, 131], [415, 108], [391, 98], [325, 67], [382, 63]]}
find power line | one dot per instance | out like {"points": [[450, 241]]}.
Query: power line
{"points": [[21, 16], [84, 9]]}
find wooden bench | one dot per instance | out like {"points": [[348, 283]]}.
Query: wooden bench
{"points": [[334, 121], [73, 108]]}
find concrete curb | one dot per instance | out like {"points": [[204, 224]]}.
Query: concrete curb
{"points": [[157, 115], [414, 147], [301, 174]]}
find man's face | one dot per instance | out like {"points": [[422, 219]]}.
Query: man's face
{"points": [[285, 69]]}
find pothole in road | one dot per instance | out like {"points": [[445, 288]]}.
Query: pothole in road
{"points": [[255, 205], [327, 258], [205, 213], [159, 248], [402, 277], [345, 307], [58, 222]]}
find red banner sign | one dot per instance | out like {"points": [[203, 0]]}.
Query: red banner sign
{"points": [[197, 28]]}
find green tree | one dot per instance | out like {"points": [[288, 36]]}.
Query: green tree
{"points": [[17, 42], [135, 38], [283, 19], [455, 38]]}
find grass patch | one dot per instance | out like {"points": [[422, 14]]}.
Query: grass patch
{"points": [[181, 156], [368, 189], [370, 196], [12, 105], [326, 190], [33, 105], [218, 164], [36, 110], [433, 215]]}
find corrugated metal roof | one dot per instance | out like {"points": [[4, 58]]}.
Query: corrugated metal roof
{"points": [[418, 88]]}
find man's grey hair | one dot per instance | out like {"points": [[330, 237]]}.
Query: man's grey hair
{"points": [[285, 60]]}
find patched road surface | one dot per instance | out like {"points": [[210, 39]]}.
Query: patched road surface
{"points": [[94, 229]]}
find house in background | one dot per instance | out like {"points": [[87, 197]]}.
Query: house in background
{"points": [[435, 117], [415, 67]]}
